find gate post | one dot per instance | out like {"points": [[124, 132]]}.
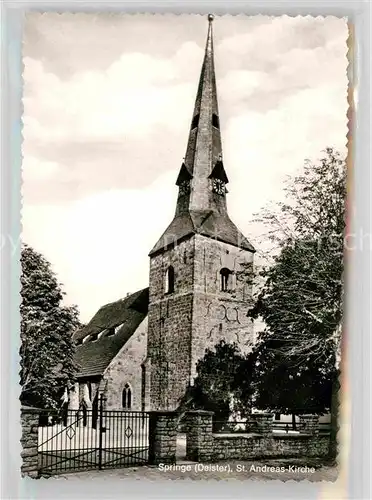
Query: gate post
{"points": [[264, 423], [162, 437], [102, 429], [309, 424], [29, 441], [199, 436]]}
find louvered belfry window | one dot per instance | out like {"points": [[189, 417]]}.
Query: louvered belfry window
{"points": [[215, 121], [169, 280], [225, 275], [195, 122]]}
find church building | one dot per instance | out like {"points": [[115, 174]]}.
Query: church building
{"points": [[142, 350]]}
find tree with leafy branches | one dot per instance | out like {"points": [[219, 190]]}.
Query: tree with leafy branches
{"points": [[299, 296], [292, 388], [221, 383], [47, 325], [302, 293], [301, 299]]}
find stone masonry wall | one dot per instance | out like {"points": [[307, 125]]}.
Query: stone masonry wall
{"points": [[219, 315], [196, 316], [162, 437], [247, 447], [169, 331], [125, 368], [204, 446], [199, 438], [29, 441]]}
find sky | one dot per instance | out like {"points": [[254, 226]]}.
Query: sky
{"points": [[108, 101]]}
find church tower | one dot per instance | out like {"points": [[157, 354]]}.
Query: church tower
{"points": [[197, 293]]}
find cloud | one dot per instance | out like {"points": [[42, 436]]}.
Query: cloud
{"points": [[107, 107], [77, 42], [263, 149], [94, 242]]}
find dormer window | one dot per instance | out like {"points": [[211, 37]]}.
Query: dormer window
{"points": [[169, 280], [96, 336], [226, 280], [111, 332]]}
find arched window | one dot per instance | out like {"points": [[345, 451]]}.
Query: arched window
{"points": [[225, 279], [127, 397], [89, 385], [169, 280]]}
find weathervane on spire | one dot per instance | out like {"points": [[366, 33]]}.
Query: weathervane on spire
{"points": [[210, 17]]}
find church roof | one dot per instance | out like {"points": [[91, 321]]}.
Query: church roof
{"points": [[212, 224], [93, 356], [204, 145], [201, 204]]}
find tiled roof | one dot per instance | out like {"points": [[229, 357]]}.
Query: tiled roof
{"points": [[220, 227], [180, 227], [215, 225], [93, 357]]}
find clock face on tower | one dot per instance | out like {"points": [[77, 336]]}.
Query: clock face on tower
{"points": [[219, 187], [184, 188]]}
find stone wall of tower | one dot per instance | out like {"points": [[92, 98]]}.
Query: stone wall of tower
{"points": [[169, 326], [196, 316], [219, 315]]}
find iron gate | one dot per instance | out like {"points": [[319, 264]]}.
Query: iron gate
{"points": [[89, 439]]}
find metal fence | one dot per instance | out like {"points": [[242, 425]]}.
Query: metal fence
{"points": [[251, 426], [89, 439]]}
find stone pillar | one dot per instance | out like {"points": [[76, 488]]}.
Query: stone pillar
{"points": [[309, 424], [29, 441], [199, 438], [162, 437], [264, 423]]}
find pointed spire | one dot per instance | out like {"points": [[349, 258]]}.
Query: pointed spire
{"points": [[201, 204], [204, 147]]}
